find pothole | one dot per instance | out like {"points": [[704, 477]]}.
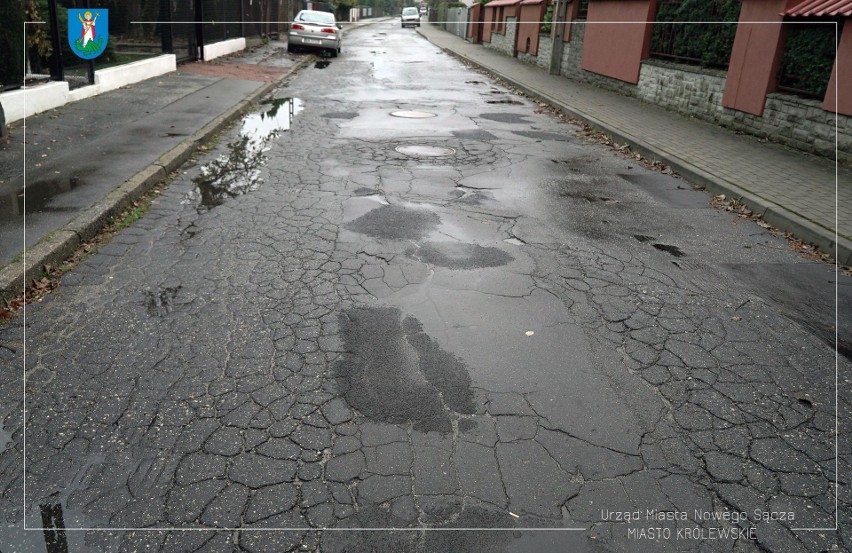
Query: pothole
{"points": [[159, 303], [322, 64], [425, 151], [591, 198], [507, 101], [673, 250], [409, 114]]}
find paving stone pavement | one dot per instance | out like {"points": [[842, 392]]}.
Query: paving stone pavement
{"points": [[808, 195]]}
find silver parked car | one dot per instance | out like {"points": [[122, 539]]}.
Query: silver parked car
{"points": [[410, 17], [315, 30]]}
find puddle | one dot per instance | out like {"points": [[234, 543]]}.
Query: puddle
{"points": [[425, 151], [455, 255], [396, 223], [514, 102], [396, 373], [322, 64], [238, 172], [643, 237], [39, 195], [412, 114]]}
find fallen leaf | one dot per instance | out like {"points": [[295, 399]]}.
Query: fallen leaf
{"points": [[529, 332], [736, 318]]}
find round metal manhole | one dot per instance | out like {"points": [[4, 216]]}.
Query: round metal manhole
{"points": [[425, 151], [413, 114]]}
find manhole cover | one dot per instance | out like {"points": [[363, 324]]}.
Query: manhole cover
{"points": [[413, 114], [425, 151]]}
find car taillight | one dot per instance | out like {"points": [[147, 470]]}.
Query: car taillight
{"points": [[328, 30], [297, 27]]}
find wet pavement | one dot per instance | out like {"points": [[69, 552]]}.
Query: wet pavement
{"points": [[77, 153], [348, 331]]}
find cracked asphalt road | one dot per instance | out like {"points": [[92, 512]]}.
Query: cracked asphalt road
{"points": [[325, 334]]}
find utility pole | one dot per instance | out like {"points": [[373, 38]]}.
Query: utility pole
{"points": [[557, 31]]}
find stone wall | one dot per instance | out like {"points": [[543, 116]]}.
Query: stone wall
{"points": [[545, 48], [684, 88], [798, 122], [788, 119], [505, 42]]}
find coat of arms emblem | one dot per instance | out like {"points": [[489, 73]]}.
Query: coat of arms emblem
{"points": [[87, 32]]}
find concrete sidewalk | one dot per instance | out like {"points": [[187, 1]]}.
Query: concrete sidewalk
{"points": [[88, 160], [796, 192]]}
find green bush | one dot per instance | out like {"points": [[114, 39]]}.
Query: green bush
{"points": [[809, 52], [707, 44], [548, 19]]}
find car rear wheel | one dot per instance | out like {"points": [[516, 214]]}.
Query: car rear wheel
{"points": [[333, 52]]}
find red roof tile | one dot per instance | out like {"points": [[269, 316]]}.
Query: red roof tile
{"points": [[817, 8], [498, 3]]}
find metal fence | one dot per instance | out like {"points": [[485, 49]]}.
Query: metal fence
{"points": [[457, 21], [137, 30]]}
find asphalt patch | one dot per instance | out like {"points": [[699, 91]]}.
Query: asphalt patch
{"points": [[455, 255], [340, 115], [511, 118], [474, 135], [396, 373], [805, 292], [396, 223], [668, 190], [540, 135]]}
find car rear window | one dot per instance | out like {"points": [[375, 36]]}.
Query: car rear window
{"points": [[409, 11], [315, 17]]}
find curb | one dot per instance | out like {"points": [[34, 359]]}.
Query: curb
{"points": [[59, 245], [774, 214]]}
